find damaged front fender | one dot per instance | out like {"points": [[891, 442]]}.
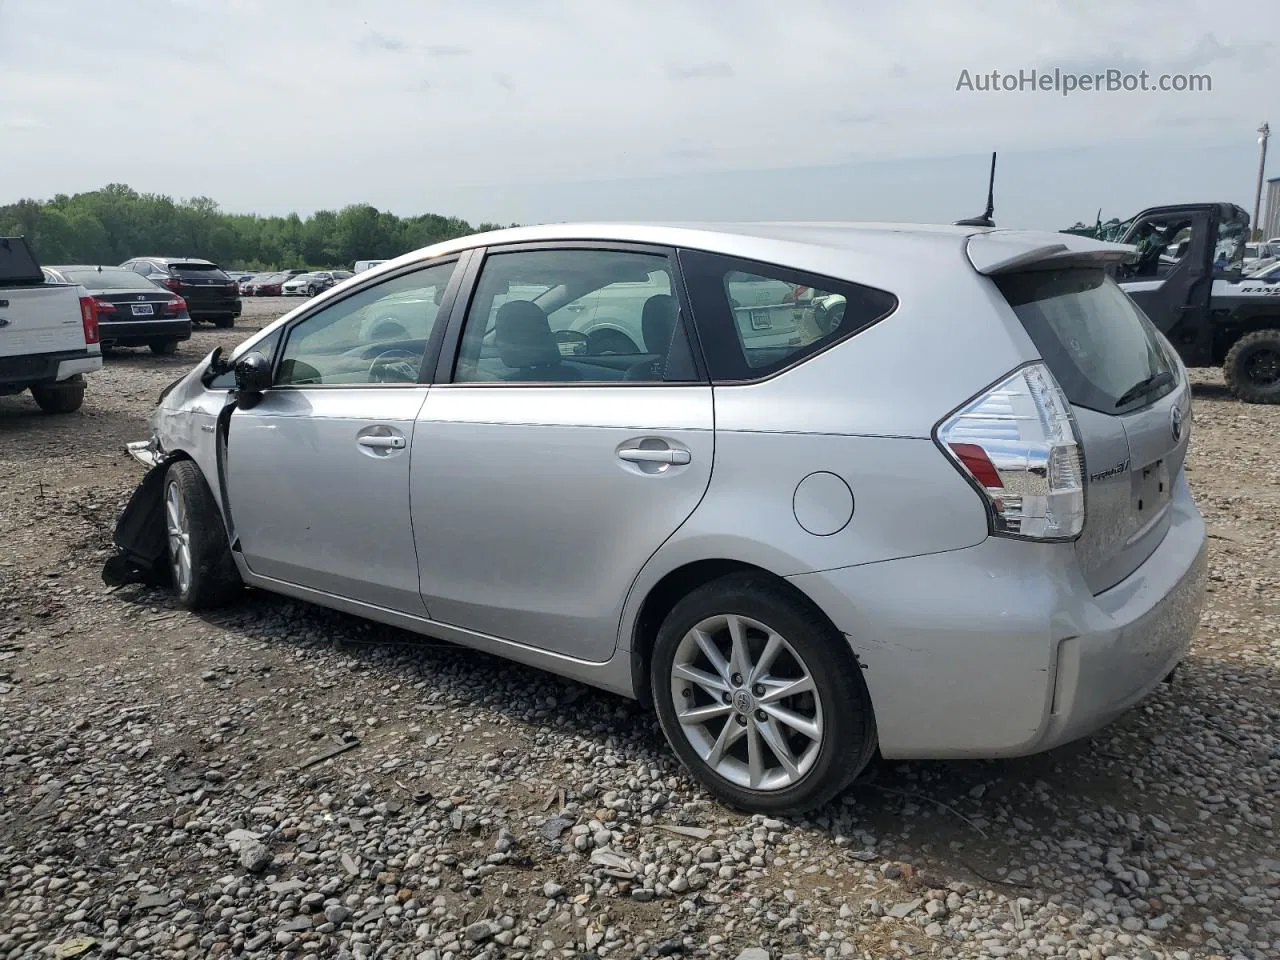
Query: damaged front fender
{"points": [[141, 536]]}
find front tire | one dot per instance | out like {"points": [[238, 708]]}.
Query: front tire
{"points": [[1252, 367], [761, 697], [200, 565], [66, 396]]}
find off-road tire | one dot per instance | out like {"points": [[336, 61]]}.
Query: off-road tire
{"points": [[66, 396], [1235, 367], [214, 579], [849, 735]]}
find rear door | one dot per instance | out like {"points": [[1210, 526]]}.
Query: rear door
{"points": [[1101, 348], [1172, 279], [544, 478]]}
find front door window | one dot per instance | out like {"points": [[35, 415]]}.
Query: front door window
{"points": [[376, 336]]}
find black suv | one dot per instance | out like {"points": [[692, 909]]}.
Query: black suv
{"points": [[210, 294]]}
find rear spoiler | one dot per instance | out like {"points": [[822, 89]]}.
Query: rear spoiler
{"points": [[1009, 251]]}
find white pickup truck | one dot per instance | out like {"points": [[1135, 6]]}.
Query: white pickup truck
{"points": [[48, 332]]}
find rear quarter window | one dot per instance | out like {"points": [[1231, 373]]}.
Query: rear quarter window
{"points": [[756, 319]]}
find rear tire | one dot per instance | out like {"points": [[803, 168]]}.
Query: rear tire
{"points": [[1252, 367], [200, 565], [827, 727], [66, 396], [164, 348], [224, 323]]}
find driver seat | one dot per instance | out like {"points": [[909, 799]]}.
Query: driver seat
{"points": [[526, 344]]}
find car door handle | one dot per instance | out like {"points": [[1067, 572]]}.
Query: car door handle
{"points": [[382, 443], [640, 455]]}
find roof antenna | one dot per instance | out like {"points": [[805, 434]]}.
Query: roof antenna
{"points": [[985, 220]]}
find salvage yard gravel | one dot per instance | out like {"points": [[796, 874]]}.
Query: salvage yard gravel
{"points": [[279, 780]]}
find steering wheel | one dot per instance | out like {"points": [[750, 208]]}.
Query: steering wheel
{"points": [[396, 365], [572, 343]]}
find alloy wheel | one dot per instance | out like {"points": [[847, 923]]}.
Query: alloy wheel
{"points": [[747, 703], [176, 524], [1263, 367]]}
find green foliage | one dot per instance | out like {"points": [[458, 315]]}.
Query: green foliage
{"points": [[115, 223]]}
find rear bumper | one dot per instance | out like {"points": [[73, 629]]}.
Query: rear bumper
{"points": [[1000, 650], [214, 308], [18, 373], [136, 333]]}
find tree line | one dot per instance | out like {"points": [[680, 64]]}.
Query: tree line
{"points": [[116, 223]]}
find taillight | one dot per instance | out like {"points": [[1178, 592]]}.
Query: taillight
{"points": [[103, 306], [172, 283], [1018, 444], [176, 306], [89, 319]]}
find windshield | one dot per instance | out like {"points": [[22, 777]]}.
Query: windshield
{"points": [[1097, 342], [108, 279]]}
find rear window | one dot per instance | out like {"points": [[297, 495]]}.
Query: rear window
{"points": [[197, 271], [1098, 343], [107, 279]]}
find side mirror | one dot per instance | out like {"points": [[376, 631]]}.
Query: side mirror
{"points": [[253, 373]]}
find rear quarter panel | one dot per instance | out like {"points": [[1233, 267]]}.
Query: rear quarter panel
{"points": [[864, 409]]}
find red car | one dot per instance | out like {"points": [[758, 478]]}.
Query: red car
{"points": [[264, 285]]}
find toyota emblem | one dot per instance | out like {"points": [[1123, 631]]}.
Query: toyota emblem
{"points": [[1175, 423]]}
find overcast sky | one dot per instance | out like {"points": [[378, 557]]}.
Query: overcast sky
{"points": [[544, 110]]}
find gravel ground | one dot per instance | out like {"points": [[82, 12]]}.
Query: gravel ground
{"points": [[280, 780]]}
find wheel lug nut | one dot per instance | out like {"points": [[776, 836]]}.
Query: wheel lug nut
{"points": [[758, 689], [742, 721], [726, 698], [761, 716], [737, 679]]}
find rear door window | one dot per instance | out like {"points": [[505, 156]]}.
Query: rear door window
{"points": [[1100, 346]]}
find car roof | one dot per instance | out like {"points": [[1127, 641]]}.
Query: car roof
{"points": [[821, 246], [82, 266], [175, 260]]}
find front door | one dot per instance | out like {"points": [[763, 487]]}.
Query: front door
{"points": [[318, 468], [1172, 279], [548, 467]]}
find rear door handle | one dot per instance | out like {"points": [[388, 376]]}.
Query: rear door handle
{"points": [[640, 455], [382, 443]]}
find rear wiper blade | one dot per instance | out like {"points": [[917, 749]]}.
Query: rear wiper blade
{"points": [[1149, 385]]}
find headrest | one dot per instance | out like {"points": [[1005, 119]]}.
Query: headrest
{"points": [[658, 322], [524, 336]]}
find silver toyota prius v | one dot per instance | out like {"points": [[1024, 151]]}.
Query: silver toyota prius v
{"points": [[812, 490]]}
